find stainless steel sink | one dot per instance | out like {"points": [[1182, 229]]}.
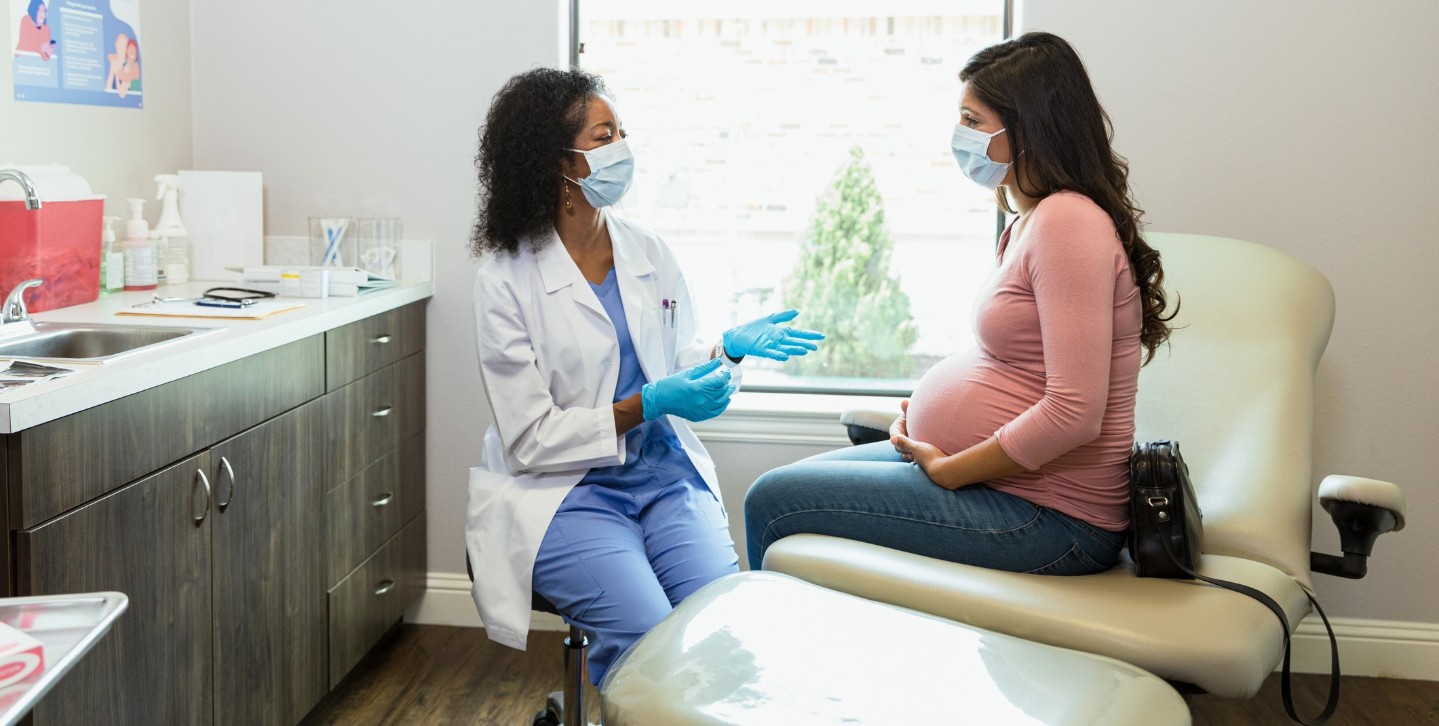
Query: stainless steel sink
{"points": [[93, 343]]}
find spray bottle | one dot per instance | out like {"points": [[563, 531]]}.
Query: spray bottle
{"points": [[112, 260], [139, 251], [174, 240]]}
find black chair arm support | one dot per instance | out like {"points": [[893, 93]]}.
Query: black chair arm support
{"points": [[1359, 525]]}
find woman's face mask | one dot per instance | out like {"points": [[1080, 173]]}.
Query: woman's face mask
{"points": [[612, 171], [971, 150]]}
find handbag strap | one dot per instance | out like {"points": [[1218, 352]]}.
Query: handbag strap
{"points": [[1278, 611]]}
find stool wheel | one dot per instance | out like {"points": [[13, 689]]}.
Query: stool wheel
{"points": [[546, 718]]}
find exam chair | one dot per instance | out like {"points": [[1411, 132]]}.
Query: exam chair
{"points": [[1236, 389]]}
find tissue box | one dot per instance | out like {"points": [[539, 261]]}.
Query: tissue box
{"points": [[21, 655]]}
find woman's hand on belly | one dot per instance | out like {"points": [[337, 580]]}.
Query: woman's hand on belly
{"points": [[981, 462], [925, 455], [900, 428]]}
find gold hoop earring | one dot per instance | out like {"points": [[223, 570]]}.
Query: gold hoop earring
{"points": [[567, 195]]}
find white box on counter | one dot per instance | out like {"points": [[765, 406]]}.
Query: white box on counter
{"points": [[224, 212]]}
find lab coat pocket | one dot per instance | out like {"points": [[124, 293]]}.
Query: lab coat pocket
{"points": [[485, 488], [661, 320]]}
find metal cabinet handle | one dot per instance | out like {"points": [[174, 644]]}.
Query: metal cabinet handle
{"points": [[230, 472], [382, 412], [380, 339], [386, 585], [204, 480], [383, 501]]}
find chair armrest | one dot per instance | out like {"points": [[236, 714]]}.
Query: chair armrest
{"points": [[1362, 509], [1375, 493], [866, 426]]}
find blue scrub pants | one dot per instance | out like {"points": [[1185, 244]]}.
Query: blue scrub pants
{"points": [[622, 551]]}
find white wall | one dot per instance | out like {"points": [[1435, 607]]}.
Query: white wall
{"points": [[118, 150], [1309, 127], [1298, 126], [371, 106]]}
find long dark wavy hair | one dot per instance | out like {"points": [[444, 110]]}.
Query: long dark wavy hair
{"points": [[1038, 86], [532, 123]]}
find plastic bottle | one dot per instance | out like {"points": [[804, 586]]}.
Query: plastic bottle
{"points": [[139, 251], [112, 260], [174, 239]]}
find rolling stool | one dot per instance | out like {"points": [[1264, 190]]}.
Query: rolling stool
{"points": [[556, 713]]}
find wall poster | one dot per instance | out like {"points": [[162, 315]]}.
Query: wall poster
{"points": [[77, 51]]}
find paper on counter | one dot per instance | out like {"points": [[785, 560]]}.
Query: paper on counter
{"points": [[257, 311]]}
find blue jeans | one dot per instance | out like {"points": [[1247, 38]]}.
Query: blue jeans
{"points": [[867, 493]]}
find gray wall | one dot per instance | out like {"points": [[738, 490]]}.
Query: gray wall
{"points": [[1299, 126], [1308, 127], [118, 150], [357, 106]]}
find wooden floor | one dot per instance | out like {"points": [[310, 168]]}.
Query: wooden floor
{"points": [[429, 674]]}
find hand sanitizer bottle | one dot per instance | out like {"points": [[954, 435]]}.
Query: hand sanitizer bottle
{"points": [[138, 250], [112, 260], [174, 240]]}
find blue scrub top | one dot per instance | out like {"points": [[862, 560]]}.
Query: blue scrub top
{"points": [[655, 458]]}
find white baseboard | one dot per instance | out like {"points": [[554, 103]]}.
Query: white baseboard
{"points": [[1379, 648], [447, 601]]}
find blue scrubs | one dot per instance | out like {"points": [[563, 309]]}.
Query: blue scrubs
{"points": [[630, 542]]}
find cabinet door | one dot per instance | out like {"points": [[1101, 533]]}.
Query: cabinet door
{"points": [[143, 540], [269, 611]]}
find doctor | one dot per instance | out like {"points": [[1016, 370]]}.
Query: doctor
{"points": [[594, 491]]}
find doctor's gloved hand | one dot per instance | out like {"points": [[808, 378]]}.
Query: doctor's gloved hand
{"points": [[696, 394], [766, 338]]}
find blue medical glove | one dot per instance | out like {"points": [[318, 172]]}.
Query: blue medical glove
{"points": [[767, 339], [697, 394]]}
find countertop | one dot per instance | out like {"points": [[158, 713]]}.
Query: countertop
{"points": [[95, 384]]}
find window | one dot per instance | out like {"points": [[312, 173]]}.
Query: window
{"points": [[795, 153]]}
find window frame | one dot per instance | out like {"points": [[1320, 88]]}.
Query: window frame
{"points": [[576, 48]]}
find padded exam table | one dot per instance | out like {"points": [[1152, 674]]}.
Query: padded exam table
{"points": [[758, 648]]}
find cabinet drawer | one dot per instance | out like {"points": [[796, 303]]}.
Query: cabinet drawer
{"points": [[361, 425], [72, 460], [362, 513], [366, 346], [367, 602]]}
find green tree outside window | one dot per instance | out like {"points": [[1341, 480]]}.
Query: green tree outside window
{"points": [[843, 287]]}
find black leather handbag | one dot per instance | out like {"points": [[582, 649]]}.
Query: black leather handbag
{"points": [[1166, 538], [1165, 512]]}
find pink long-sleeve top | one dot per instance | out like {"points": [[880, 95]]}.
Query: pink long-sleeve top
{"points": [[1056, 368]]}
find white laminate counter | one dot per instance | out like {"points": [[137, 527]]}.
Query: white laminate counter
{"points": [[96, 384]]}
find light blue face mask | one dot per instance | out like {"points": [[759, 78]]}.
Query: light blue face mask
{"points": [[612, 171], [971, 150]]}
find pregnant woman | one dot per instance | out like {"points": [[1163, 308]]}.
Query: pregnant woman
{"points": [[1014, 455]]}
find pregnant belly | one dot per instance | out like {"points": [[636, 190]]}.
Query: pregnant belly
{"points": [[966, 397]]}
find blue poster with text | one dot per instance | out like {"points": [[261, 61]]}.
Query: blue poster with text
{"points": [[77, 51]]}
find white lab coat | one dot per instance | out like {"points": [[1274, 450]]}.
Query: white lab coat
{"points": [[549, 360]]}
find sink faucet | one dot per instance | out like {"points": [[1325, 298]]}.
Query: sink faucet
{"points": [[32, 199], [14, 310]]}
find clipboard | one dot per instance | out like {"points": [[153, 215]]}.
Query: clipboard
{"points": [[188, 309]]}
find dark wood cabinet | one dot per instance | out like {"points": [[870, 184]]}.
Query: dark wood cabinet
{"points": [[143, 540], [268, 619], [260, 526], [375, 470]]}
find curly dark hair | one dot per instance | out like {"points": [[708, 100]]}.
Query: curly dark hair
{"points": [[1038, 86], [532, 122]]}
